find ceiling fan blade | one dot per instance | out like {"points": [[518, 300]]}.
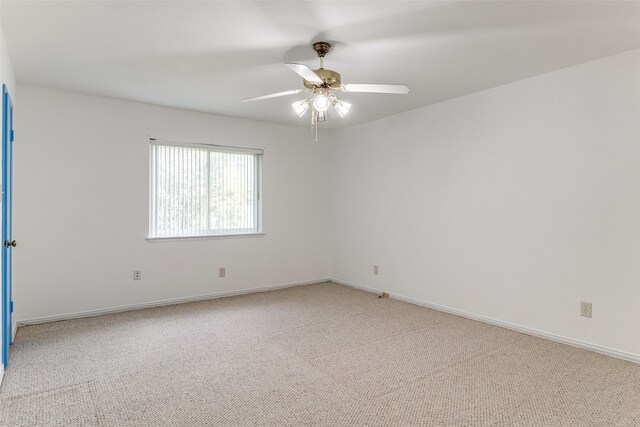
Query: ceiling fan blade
{"points": [[273, 95], [306, 73], [372, 88]]}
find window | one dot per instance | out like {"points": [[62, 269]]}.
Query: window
{"points": [[203, 190]]}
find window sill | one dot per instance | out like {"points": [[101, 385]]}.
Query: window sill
{"points": [[208, 236]]}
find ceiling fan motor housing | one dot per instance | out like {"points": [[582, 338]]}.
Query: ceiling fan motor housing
{"points": [[330, 78]]}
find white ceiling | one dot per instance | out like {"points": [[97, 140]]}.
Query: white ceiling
{"points": [[207, 56]]}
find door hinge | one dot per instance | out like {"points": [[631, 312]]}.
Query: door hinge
{"points": [[12, 135], [11, 306]]}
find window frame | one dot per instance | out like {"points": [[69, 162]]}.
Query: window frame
{"points": [[258, 176]]}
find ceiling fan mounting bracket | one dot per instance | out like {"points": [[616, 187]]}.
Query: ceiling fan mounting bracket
{"points": [[321, 48]]}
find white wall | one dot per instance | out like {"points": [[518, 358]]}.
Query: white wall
{"points": [[515, 203], [6, 70], [81, 207]]}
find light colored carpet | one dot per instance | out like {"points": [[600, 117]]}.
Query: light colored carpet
{"points": [[313, 355]]}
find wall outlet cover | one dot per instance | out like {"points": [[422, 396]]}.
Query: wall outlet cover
{"points": [[586, 309]]}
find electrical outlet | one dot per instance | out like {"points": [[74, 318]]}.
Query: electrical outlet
{"points": [[585, 309], [137, 275], [222, 272], [375, 268]]}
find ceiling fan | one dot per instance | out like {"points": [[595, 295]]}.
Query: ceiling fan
{"points": [[322, 83]]}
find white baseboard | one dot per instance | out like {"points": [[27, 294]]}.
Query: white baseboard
{"points": [[518, 328], [1, 373], [13, 332], [98, 312]]}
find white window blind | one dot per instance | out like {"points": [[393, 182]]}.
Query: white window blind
{"points": [[200, 190]]}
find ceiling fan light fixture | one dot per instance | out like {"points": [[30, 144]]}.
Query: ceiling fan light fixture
{"points": [[341, 107], [301, 107], [321, 103], [322, 116]]}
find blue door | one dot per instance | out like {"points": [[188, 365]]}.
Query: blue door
{"points": [[7, 239]]}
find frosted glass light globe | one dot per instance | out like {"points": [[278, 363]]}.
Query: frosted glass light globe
{"points": [[342, 107], [321, 103], [300, 107]]}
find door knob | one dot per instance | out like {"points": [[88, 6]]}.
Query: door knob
{"points": [[10, 243]]}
